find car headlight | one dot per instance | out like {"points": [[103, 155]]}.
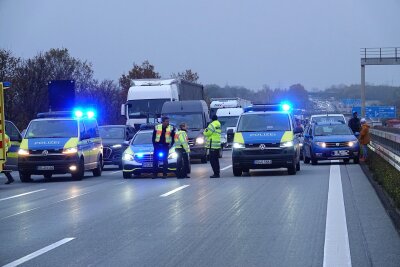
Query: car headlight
{"points": [[116, 146], [200, 140], [238, 145], [301, 144], [71, 150], [287, 144], [321, 144], [127, 157], [23, 152], [352, 143], [173, 155]]}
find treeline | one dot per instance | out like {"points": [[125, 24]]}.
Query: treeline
{"points": [[29, 77]]}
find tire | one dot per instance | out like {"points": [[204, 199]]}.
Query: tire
{"points": [[298, 166], [99, 169], [292, 169], [127, 175], [346, 161], [356, 160], [237, 172], [204, 159], [306, 159], [120, 167], [78, 175], [25, 177], [314, 161]]}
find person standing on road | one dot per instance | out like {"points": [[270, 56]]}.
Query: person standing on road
{"points": [[354, 123], [162, 141], [7, 173], [364, 139], [182, 149], [213, 136]]}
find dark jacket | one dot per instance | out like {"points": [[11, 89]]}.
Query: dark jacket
{"points": [[355, 124]]}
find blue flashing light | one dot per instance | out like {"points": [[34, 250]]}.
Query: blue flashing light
{"points": [[90, 114], [140, 155], [286, 107], [161, 154], [78, 113]]}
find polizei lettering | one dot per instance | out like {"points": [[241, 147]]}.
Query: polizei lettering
{"points": [[263, 134], [47, 143]]}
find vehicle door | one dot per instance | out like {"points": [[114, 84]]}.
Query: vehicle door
{"points": [[12, 154], [308, 140], [94, 140], [84, 144]]}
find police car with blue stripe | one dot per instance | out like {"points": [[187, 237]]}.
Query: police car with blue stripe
{"points": [[266, 138], [59, 143]]}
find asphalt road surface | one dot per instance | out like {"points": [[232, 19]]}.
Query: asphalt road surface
{"points": [[326, 215]]}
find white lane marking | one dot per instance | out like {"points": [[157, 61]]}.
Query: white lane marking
{"points": [[24, 194], [119, 183], [39, 252], [227, 167], [115, 172], [174, 191], [336, 248]]}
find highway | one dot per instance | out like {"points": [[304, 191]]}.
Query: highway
{"points": [[326, 215]]}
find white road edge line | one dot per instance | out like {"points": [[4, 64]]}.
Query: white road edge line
{"points": [[20, 195], [39, 252], [227, 167], [115, 172], [336, 247], [174, 191]]}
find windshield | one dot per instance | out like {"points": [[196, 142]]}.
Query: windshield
{"points": [[112, 132], [140, 108], [52, 129], [339, 129], [228, 122], [193, 121], [264, 122], [328, 119], [143, 139]]}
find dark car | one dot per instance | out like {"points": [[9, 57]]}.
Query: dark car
{"points": [[115, 141], [326, 141]]}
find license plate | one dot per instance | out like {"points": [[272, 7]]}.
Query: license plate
{"points": [[264, 161], [147, 164], [340, 153], [45, 168]]}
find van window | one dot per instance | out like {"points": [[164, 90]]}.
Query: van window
{"points": [[12, 131], [91, 128], [52, 129], [264, 122]]}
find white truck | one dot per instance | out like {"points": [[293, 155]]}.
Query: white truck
{"points": [[146, 98], [228, 118], [233, 102]]}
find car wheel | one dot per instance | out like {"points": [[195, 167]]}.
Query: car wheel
{"points": [[292, 169], [80, 172], [356, 160], [120, 166], [314, 161], [306, 159], [97, 172], [237, 171], [25, 177], [127, 175]]}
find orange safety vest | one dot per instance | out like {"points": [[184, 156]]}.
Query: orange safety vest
{"points": [[168, 131]]}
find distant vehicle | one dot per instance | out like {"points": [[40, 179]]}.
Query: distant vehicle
{"points": [[265, 139], [138, 157], [228, 117], [59, 143], [330, 140], [195, 113], [115, 140], [328, 118], [233, 102], [15, 138], [146, 98]]}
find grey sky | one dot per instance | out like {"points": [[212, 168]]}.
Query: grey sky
{"points": [[249, 43]]}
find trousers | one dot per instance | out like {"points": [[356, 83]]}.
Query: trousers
{"points": [[214, 160], [182, 164], [160, 154]]}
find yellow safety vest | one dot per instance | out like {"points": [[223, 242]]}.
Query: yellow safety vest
{"points": [[181, 140], [213, 135], [168, 131]]}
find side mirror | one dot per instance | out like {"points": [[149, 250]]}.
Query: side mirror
{"points": [[126, 143], [229, 136]]}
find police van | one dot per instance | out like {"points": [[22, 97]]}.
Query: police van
{"points": [[266, 138], [60, 143]]}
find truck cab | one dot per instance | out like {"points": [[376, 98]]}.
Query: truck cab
{"points": [[195, 113], [60, 143]]}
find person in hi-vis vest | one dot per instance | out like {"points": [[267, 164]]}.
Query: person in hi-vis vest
{"points": [[163, 139], [182, 149], [213, 137]]}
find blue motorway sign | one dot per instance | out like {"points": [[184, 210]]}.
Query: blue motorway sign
{"points": [[377, 111], [352, 102]]}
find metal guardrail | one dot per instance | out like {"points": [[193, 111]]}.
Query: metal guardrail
{"points": [[381, 53], [386, 145]]}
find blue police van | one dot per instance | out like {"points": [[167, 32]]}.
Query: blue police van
{"points": [[266, 138]]}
